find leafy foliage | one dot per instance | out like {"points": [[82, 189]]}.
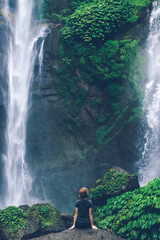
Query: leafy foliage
{"points": [[14, 219], [134, 215], [137, 3], [51, 10], [93, 21]]}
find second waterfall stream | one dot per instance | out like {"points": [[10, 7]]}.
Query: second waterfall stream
{"points": [[149, 164], [25, 42]]}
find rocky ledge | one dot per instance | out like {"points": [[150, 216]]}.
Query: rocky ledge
{"points": [[79, 234]]}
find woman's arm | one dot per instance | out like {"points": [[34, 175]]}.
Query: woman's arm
{"points": [[91, 218], [75, 218]]}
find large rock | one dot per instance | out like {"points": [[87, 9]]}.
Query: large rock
{"points": [[79, 234], [42, 219], [26, 222], [115, 182]]}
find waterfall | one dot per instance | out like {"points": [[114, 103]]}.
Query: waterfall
{"points": [[149, 164], [24, 50]]}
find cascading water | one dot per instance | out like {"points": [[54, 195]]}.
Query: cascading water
{"points": [[149, 165], [24, 49]]}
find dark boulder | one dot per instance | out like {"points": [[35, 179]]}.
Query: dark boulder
{"points": [[79, 234], [27, 222], [115, 182], [42, 219]]}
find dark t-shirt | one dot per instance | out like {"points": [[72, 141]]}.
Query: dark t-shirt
{"points": [[83, 210]]}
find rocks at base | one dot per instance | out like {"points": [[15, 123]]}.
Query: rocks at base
{"points": [[43, 219], [45, 223], [114, 183], [79, 234], [27, 222]]}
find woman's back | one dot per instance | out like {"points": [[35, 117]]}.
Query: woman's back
{"points": [[83, 206]]}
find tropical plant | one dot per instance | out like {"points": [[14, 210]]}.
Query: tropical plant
{"points": [[134, 215]]}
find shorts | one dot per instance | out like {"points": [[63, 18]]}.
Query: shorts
{"points": [[83, 225]]}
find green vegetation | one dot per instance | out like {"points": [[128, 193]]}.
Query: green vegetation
{"points": [[133, 215], [109, 13], [136, 3], [49, 9], [94, 21], [14, 219]]}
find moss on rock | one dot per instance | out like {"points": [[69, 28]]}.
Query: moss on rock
{"points": [[115, 182], [48, 217]]}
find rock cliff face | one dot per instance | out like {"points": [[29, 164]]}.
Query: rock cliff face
{"points": [[63, 160]]}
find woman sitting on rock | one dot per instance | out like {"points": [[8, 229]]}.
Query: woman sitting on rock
{"points": [[83, 217]]}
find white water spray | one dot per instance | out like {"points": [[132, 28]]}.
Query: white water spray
{"points": [[149, 165], [22, 53]]}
